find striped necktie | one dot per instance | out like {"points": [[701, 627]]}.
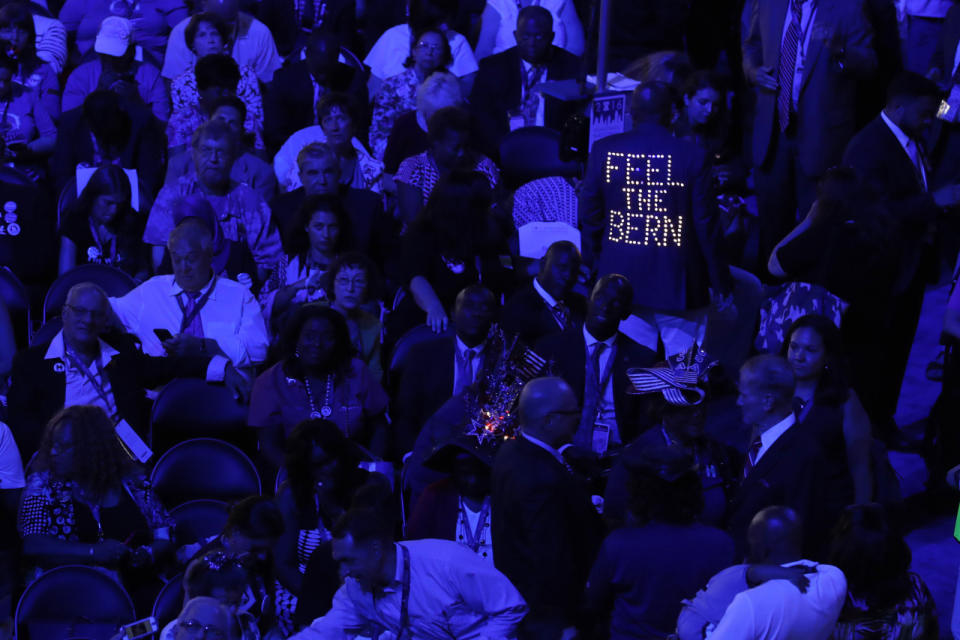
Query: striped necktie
{"points": [[788, 64]]}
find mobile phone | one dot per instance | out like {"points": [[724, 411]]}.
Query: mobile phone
{"points": [[163, 334], [139, 629]]}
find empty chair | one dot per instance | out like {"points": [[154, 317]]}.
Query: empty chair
{"points": [[72, 601], [529, 153], [191, 408], [47, 331], [169, 601], [399, 357], [204, 468], [114, 281], [198, 520]]}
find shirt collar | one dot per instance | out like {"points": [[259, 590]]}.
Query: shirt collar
{"points": [[590, 340], [57, 350], [549, 299], [543, 445], [901, 136], [462, 348], [771, 435], [176, 289], [397, 582]]}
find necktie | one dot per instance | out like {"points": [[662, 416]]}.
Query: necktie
{"points": [[195, 328], [788, 63], [592, 393], [598, 349], [562, 314], [464, 370], [531, 101], [915, 151], [752, 454]]}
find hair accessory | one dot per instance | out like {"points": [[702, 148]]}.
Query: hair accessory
{"points": [[678, 381]]}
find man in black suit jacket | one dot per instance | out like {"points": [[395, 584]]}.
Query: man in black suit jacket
{"points": [[436, 369], [547, 305], [289, 27], [888, 154], [545, 529], [611, 417], [290, 99], [78, 367], [505, 80], [371, 230], [784, 463]]}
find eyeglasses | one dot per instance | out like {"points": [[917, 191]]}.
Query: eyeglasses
{"points": [[347, 283], [427, 47], [96, 314], [199, 630]]}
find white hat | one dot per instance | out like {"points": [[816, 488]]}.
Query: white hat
{"points": [[114, 37]]}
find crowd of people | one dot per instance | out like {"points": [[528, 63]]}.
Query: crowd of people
{"points": [[513, 363]]}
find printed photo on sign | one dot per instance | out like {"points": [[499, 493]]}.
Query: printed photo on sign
{"points": [[607, 116]]}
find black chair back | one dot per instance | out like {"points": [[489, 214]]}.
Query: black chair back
{"points": [[198, 520], [530, 153], [190, 408], [204, 468], [16, 299], [169, 601], [112, 280]]}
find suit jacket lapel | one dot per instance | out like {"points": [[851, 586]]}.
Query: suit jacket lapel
{"points": [[896, 151], [819, 24]]}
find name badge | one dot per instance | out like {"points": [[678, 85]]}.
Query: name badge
{"points": [[948, 111], [601, 438], [135, 445]]}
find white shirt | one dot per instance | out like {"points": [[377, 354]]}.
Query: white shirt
{"points": [[607, 408], [79, 389], [908, 145], [808, 17], [474, 364], [454, 593], [285, 162], [11, 466], [547, 298], [567, 30], [231, 316], [771, 435], [255, 49], [485, 548], [777, 610], [393, 47]]}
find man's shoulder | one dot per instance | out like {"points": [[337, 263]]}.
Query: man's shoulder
{"points": [[523, 298], [636, 353], [499, 61], [872, 136]]}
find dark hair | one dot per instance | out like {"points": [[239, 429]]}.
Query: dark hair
{"points": [[652, 101], [291, 335], [447, 53], [298, 452], [255, 517], [215, 569], [217, 70], [833, 387], [191, 31], [664, 486], [336, 100], [363, 525], [456, 213], [233, 102], [101, 463], [18, 15], [910, 86], [8, 63], [535, 12], [447, 120], [107, 119], [355, 260], [873, 556], [703, 79], [106, 180], [297, 239], [430, 13]]}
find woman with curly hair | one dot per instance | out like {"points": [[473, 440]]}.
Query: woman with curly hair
{"points": [[87, 501]]}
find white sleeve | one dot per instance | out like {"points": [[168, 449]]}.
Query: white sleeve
{"points": [[11, 466], [253, 339], [738, 622], [335, 625], [464, 63], [177, 58], [573, 37]]}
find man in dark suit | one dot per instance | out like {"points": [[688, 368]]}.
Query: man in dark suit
{"points": [[547, 305], [78, 367], [783, 464], [593, 358], [290, 98], [801, 56], [371, 230], [290, 21], [649, 213], [889, 155], [545, 529], [437, 369], [504, 92]]}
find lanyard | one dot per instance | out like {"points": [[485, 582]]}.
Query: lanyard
{"points": [[188, 317], [97, 385], [474, 536], [530, 79], [96, 241], [405, 633]]}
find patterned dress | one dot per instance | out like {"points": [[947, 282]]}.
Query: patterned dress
{"points": [[422, 172], [183, 95], [911, 619], [397, 95]]}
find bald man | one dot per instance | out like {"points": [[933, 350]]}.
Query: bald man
{"points": [[546, 531]]}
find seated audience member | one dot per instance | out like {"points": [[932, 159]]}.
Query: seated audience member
{"points": [[505, 92], [206, 35], [115, 69], [443, 367], [29, 133], [219, 575], [204, 313], [87, 502], [680, 410], [248, 168], [429, 52], [452, 244], [322, 476], [292, 23], [499, 22], [18, 39], [106, 130], [241, 212], [449, 586], [371, 231], [290, 99], [644, 570], [216, 76], [593, 358], [548, 304], [813, 346], [100, 227], [409, 136], [457, 507], [151, 22], [250, 42], [783, 465], [317, 377], [885, 600], [353, 286], [339, 124], [775, 554], [77, 367], [449, 151], [205, 617], [315, 239], [388, 53]]}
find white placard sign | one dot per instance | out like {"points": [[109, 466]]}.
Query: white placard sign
{"points": [[536, 237]]}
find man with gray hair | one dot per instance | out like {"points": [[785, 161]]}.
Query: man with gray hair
{"points": [[205, 617], [784, 463]]}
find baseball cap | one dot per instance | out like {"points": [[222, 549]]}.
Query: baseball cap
{"points": [[114, 37]]}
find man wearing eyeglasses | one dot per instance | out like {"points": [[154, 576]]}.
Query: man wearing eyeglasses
{"points": [[207, 619]]}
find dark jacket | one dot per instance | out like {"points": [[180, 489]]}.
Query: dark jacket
{"points": [[527, 315]]}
